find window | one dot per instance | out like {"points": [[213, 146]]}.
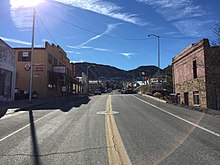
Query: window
{"points": [[196, 98], [194, 69], [24, 56], [5, 83], [55, 61], [50, 59]]}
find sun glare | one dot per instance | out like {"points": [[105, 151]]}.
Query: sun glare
{"points": [[25, 3]]}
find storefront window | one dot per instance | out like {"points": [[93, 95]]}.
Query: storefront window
{"points": [[196, 97], [5, 83]]}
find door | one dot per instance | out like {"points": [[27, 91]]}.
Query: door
{"points": [[186, 98]]}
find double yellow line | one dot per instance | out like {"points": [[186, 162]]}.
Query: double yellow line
{"points": [[117, 153]]}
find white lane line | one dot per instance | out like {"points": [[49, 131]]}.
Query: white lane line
{"points": [[24, 127], [187, 121]]}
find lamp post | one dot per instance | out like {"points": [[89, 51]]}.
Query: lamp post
{"points": [[158, 46], [87, 73], [32, 59]]}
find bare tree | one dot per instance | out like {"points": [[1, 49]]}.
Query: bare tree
{"points": [[216, 31]]}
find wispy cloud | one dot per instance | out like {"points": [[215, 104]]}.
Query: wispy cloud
{"points": [[22, 11], [69, 51], [22, 18], [181, 14], [105, 8], [77, 61], [78, 47], [46, 40], [126, 54], [102, 49], [88, 47], [192, 27], [16, 41], [72, 52], [174, 9], [110, 27]]}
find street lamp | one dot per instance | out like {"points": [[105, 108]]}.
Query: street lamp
{"points": [[87, 73], [158, 42]]}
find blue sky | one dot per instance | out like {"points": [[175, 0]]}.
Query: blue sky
{"points": [[113, 32]]}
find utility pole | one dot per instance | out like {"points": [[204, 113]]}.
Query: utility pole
{"points": [[32, 59]]}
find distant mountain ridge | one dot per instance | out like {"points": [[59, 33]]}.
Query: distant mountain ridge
{"points": [[109, 72]]}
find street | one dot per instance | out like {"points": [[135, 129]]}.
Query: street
{"points": [[110, 129]]}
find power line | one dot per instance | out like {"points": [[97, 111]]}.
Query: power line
{"points": [[46, 28], [96, 33], [118, 38]]}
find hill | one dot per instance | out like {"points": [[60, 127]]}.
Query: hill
{"points": [[108, 72]]}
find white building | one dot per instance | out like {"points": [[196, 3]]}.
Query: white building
{"points": [[7, 72]]}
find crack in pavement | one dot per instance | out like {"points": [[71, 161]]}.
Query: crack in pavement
{"points": [[58, 153]]}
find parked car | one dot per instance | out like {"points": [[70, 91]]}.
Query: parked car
{"points": [[129, 91], [97, 92], [34, 95], [19, 94]]}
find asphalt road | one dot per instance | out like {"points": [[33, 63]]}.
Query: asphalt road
{"points": [[141, 131]]}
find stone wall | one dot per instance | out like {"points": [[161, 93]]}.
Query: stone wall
{"points": [[7, 72], [191, 86]]}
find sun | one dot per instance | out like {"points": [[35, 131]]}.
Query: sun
{"points": [[25, 3]]}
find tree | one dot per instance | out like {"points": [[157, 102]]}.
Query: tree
{"points": [[216, 31], [168, 85]]}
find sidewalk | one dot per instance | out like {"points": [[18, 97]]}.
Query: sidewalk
{"points": [[24, 104], [154, 98]]}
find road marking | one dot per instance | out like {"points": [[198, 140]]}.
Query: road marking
{"points": [[187, 121], [117, 153], [105, 112], [24, 127]]}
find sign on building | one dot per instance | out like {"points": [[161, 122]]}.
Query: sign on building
{"points": [[59, 69]]}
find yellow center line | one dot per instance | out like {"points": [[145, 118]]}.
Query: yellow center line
{"points": [[117, 153]]}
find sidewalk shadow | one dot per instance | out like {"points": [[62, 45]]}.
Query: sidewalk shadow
{"points": [[64, 104]]}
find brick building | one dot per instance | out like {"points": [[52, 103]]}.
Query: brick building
{"points": [[196, 75], [52, 71], [7, 72]]}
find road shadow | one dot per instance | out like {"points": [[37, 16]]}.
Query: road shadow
{"points": [[64, 104], [34, 142]]}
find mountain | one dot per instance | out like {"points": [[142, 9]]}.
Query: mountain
{"points": [[97, 71]]}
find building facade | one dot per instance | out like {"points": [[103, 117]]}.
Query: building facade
{"points": [[7, 72], [52, 71], [196, 75]]}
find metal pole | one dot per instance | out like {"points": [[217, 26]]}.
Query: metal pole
{"points": [[158, 37], [87, 80], [32, 59]]}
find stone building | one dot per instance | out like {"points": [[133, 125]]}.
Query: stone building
{"points": [[7, 72], [52, 71], [196, 75]]}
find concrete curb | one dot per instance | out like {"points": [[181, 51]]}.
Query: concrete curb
{"points": [[154, 98], [12, 110]]}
